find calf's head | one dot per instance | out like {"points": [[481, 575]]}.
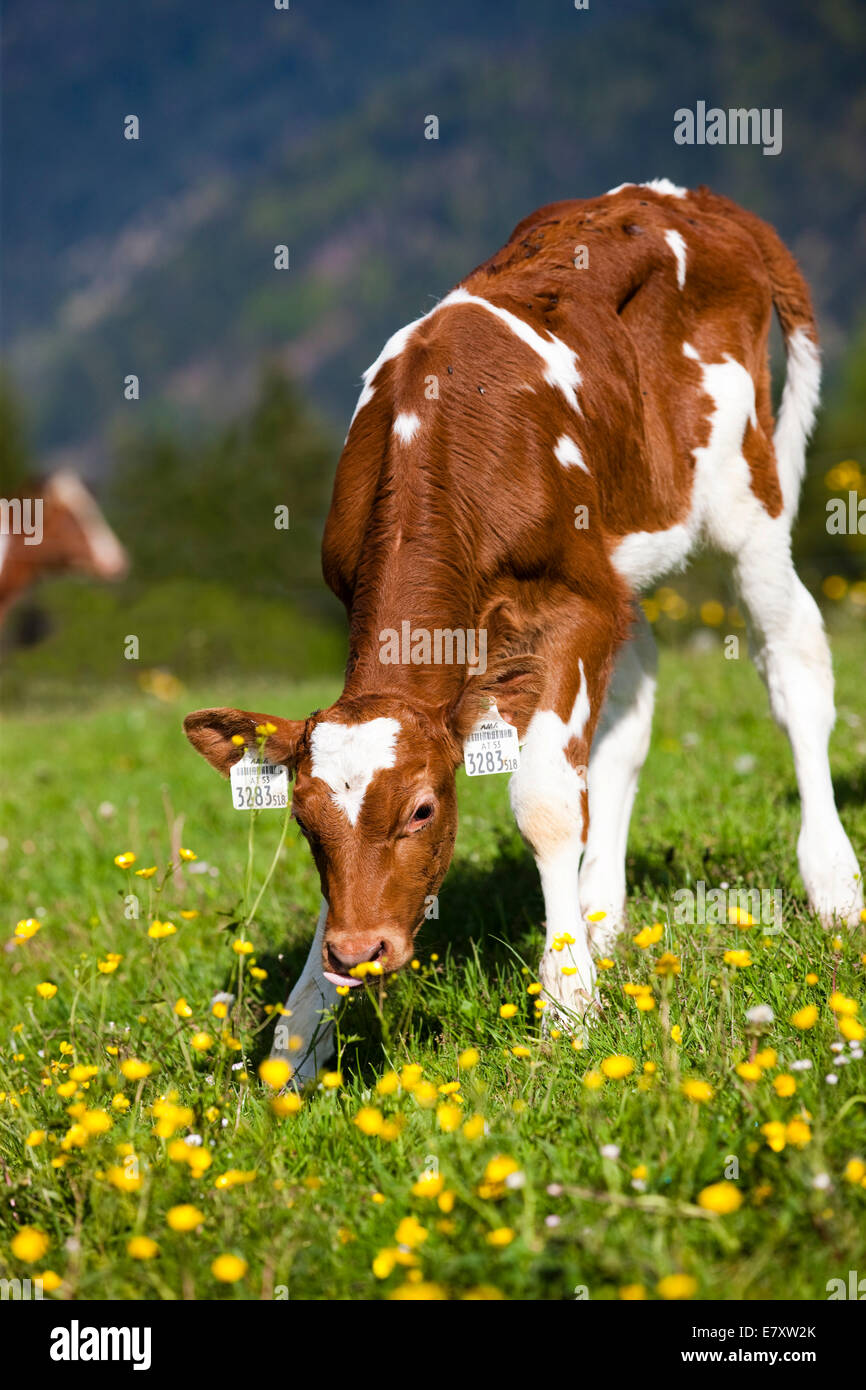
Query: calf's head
{"points": [[374, 797]]}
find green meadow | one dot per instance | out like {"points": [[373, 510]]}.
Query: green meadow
{"points": [[455, 1150]]}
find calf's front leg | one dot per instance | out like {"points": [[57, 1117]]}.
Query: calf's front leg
{"points": [[550, 804]]}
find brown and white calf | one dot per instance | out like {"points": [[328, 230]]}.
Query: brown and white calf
{"points": [[563, 430], [53, 528]]}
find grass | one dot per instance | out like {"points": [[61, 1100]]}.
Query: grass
{"points": [[322, 1199]]}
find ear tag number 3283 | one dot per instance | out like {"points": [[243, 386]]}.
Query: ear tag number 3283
{"points": [[491, 746], [259, 786]]}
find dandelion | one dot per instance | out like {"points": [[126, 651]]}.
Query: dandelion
{"points": [[798, 1133], [158, 931], [332, 1080], [184, 1217], [474, 1127], [616, 1068], [500, 1168], [720, 1197], [429, 1185], [35, 1138], [741, 960], [775, 1134], [202, 1042], [761, 1016], [593, 1080], [234, 1177], [125, 860], [749, 1071], [134, 1069], [29, 1244], [699, 1091], [855, 1170], [286, 1105], [667, 964], [125, 1179], [507, 1010], [411, 1233], [645, 1003], [228, 1268], [275, 1072], [469, 1057], [648, 936], [448, 1116], [677, 1034], [369, 1120], [410, 1076], [96, 1121], [677, 1286], [784, 1086], [388, 1084], [766, 1058], [142, 1248], [632, 1293], [851, 1029], [500, 1237], [805, 1018]]}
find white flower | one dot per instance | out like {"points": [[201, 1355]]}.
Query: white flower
{"points": [[802, 1064], [760, 1016], [552, 1221], [831, 1078], [837, 1047], [822, 1181], [610, 1151], [515, 1181], [638, 1184], [554, 1189]]}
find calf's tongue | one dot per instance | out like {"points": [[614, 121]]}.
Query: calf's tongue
{"points": [[340, 979]]}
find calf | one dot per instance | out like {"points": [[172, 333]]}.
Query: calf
{"points": [[54, 527], [559, 433]]}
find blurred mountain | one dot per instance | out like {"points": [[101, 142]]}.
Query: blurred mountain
{"points": [[307, 127]]}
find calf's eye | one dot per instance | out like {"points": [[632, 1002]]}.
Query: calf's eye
{"points": [[421, 813]]}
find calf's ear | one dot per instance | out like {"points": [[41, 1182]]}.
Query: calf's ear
{"points": [[512, 682], [213, 731]]}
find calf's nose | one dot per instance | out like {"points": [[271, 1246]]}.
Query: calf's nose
{"points": [[353, 952]]}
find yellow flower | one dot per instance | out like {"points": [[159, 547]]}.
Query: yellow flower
{"points": [[469, 1057], [749, 1071], [46, 990], [242, 948], [774, 1133], [798, 1133], [26, 928], [721, 1197], [34, 1138], [677, 1034], [852, 1030], [50, 1280], [855, 1170], [145, 873], [286, 1105], [606, 963], [157, 931], [235, 1177], [263, 730], [125, 860], [502, 1235], [421, 1291], [428, 1185], [332, 1080], [784, 1085], [369, 1120], [410, 1232], [675, 1286], [202, 1042], [142, 1248], [388, 1084], [739, 917], [841, 1004], [182, 1008], [228, 1268], [740, 959], [645, 1003], [593, 1080], [96, 1121], [474, 1127], [83, 1072], [811, 978], [640, 1173], [500, 1168], [668, 964], [184, 1217], [187, 855], [410, 1076], [766, 1058], [189, 914], [617, 1067], [507, 1010], [700, 1091], [275, 1072], [448, 1116], [259, 974], [805, 1018], [648, 936], [29, 1244], [109, 965], [632, 1293], [125, 1179], [135, 1070], [520, 1051], [426, 1094]]}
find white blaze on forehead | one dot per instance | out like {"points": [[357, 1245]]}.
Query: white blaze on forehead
{"points": [[347, 756], [663, 186], [678, 246], [567, 453], [559, 359], [406, 426]]}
